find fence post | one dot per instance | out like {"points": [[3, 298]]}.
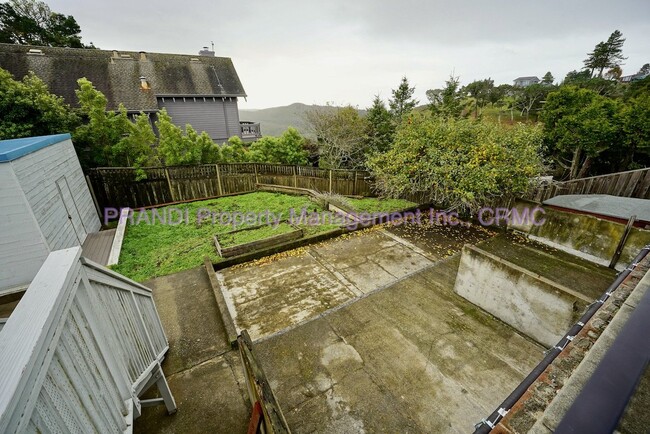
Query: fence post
{"points": [[92, 194], [354, 186], [295, 176], [621, 242], [257, 181], [169, 184], [220, 188], [330, 181]]}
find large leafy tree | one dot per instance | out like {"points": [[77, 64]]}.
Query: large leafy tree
{"points": [[480, 91], [27, 108], [402, 101], [109, 138], [286, 149], [341, 136], [177, 147], [635, 125], [381, 129], [459, 163], [529, 99], [33, 22], [579, 125]]}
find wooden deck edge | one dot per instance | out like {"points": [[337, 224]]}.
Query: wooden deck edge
{"points": [[226, 318], [118, 239]]}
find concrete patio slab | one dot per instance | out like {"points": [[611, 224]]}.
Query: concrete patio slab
{"points": [[268, 296], [210, 397], [204, 374], [190, 317], [413, 357]]}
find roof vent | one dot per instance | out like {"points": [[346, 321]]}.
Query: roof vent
{"points": [[125, 56], [143, 55], [35, 51], [144, 84]]}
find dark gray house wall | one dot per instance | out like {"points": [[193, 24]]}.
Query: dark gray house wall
{"points": [[219, 117]]}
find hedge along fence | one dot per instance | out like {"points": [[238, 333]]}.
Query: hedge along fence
{"points": [[117, 187]]}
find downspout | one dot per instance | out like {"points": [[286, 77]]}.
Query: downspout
{"points": [[486, 425]]}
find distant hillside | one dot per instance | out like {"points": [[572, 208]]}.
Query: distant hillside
{"points": [[275, 120]]}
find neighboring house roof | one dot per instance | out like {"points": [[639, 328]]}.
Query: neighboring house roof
{"points": [[117, 74], [526, 78], [633, 77], [15, 148], [604, 205]]}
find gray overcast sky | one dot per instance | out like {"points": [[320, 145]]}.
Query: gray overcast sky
{"points": [[346, 51]]}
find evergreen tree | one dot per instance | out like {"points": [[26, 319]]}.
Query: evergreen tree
{"points": [[402, 101], [447, 102], [380, 126], [607, 54], [548, 78]]}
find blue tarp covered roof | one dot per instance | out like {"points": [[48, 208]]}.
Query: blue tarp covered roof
{"points": [[16, 148], [605, 205]]}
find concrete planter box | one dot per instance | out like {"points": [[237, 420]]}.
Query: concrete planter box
{"points": [[534, 305], [239, 249]]}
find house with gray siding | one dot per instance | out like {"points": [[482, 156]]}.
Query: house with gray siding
{"points": [[45, 205], [201, 90], [525, 81]]}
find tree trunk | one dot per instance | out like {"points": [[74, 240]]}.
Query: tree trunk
{"points": [[573, 173], [585, 167]]}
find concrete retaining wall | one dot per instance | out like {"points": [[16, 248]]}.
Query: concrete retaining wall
{"points": [[532, 304], [584, 235]]}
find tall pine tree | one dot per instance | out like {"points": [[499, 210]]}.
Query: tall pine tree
{"points": [[380, 126], [402, 101]]}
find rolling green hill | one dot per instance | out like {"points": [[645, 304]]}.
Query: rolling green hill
{"points": [[275, 120]]}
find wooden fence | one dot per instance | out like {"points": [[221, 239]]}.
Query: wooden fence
{"points": [[633, 183], [118, 187]]}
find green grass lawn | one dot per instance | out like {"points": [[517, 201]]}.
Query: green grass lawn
{"points": [[373, 205], [157, 249], [250, 235], [151, 250]]}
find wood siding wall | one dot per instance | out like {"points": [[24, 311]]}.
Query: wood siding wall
{"points": [[22, 247], [232, 117], [37, 174], [117, 187], [633, 183], [216, 116]]}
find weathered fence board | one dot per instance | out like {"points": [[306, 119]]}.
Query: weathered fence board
{"points": [[633, 183], [121, 187]]}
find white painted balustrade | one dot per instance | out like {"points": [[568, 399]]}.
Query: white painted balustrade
{"points": [[81, 347]]}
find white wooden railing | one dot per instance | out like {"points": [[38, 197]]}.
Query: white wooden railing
{"points": [[79, 349]]}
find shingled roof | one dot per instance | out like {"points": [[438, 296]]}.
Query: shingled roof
{"points": [[117, 74]]}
